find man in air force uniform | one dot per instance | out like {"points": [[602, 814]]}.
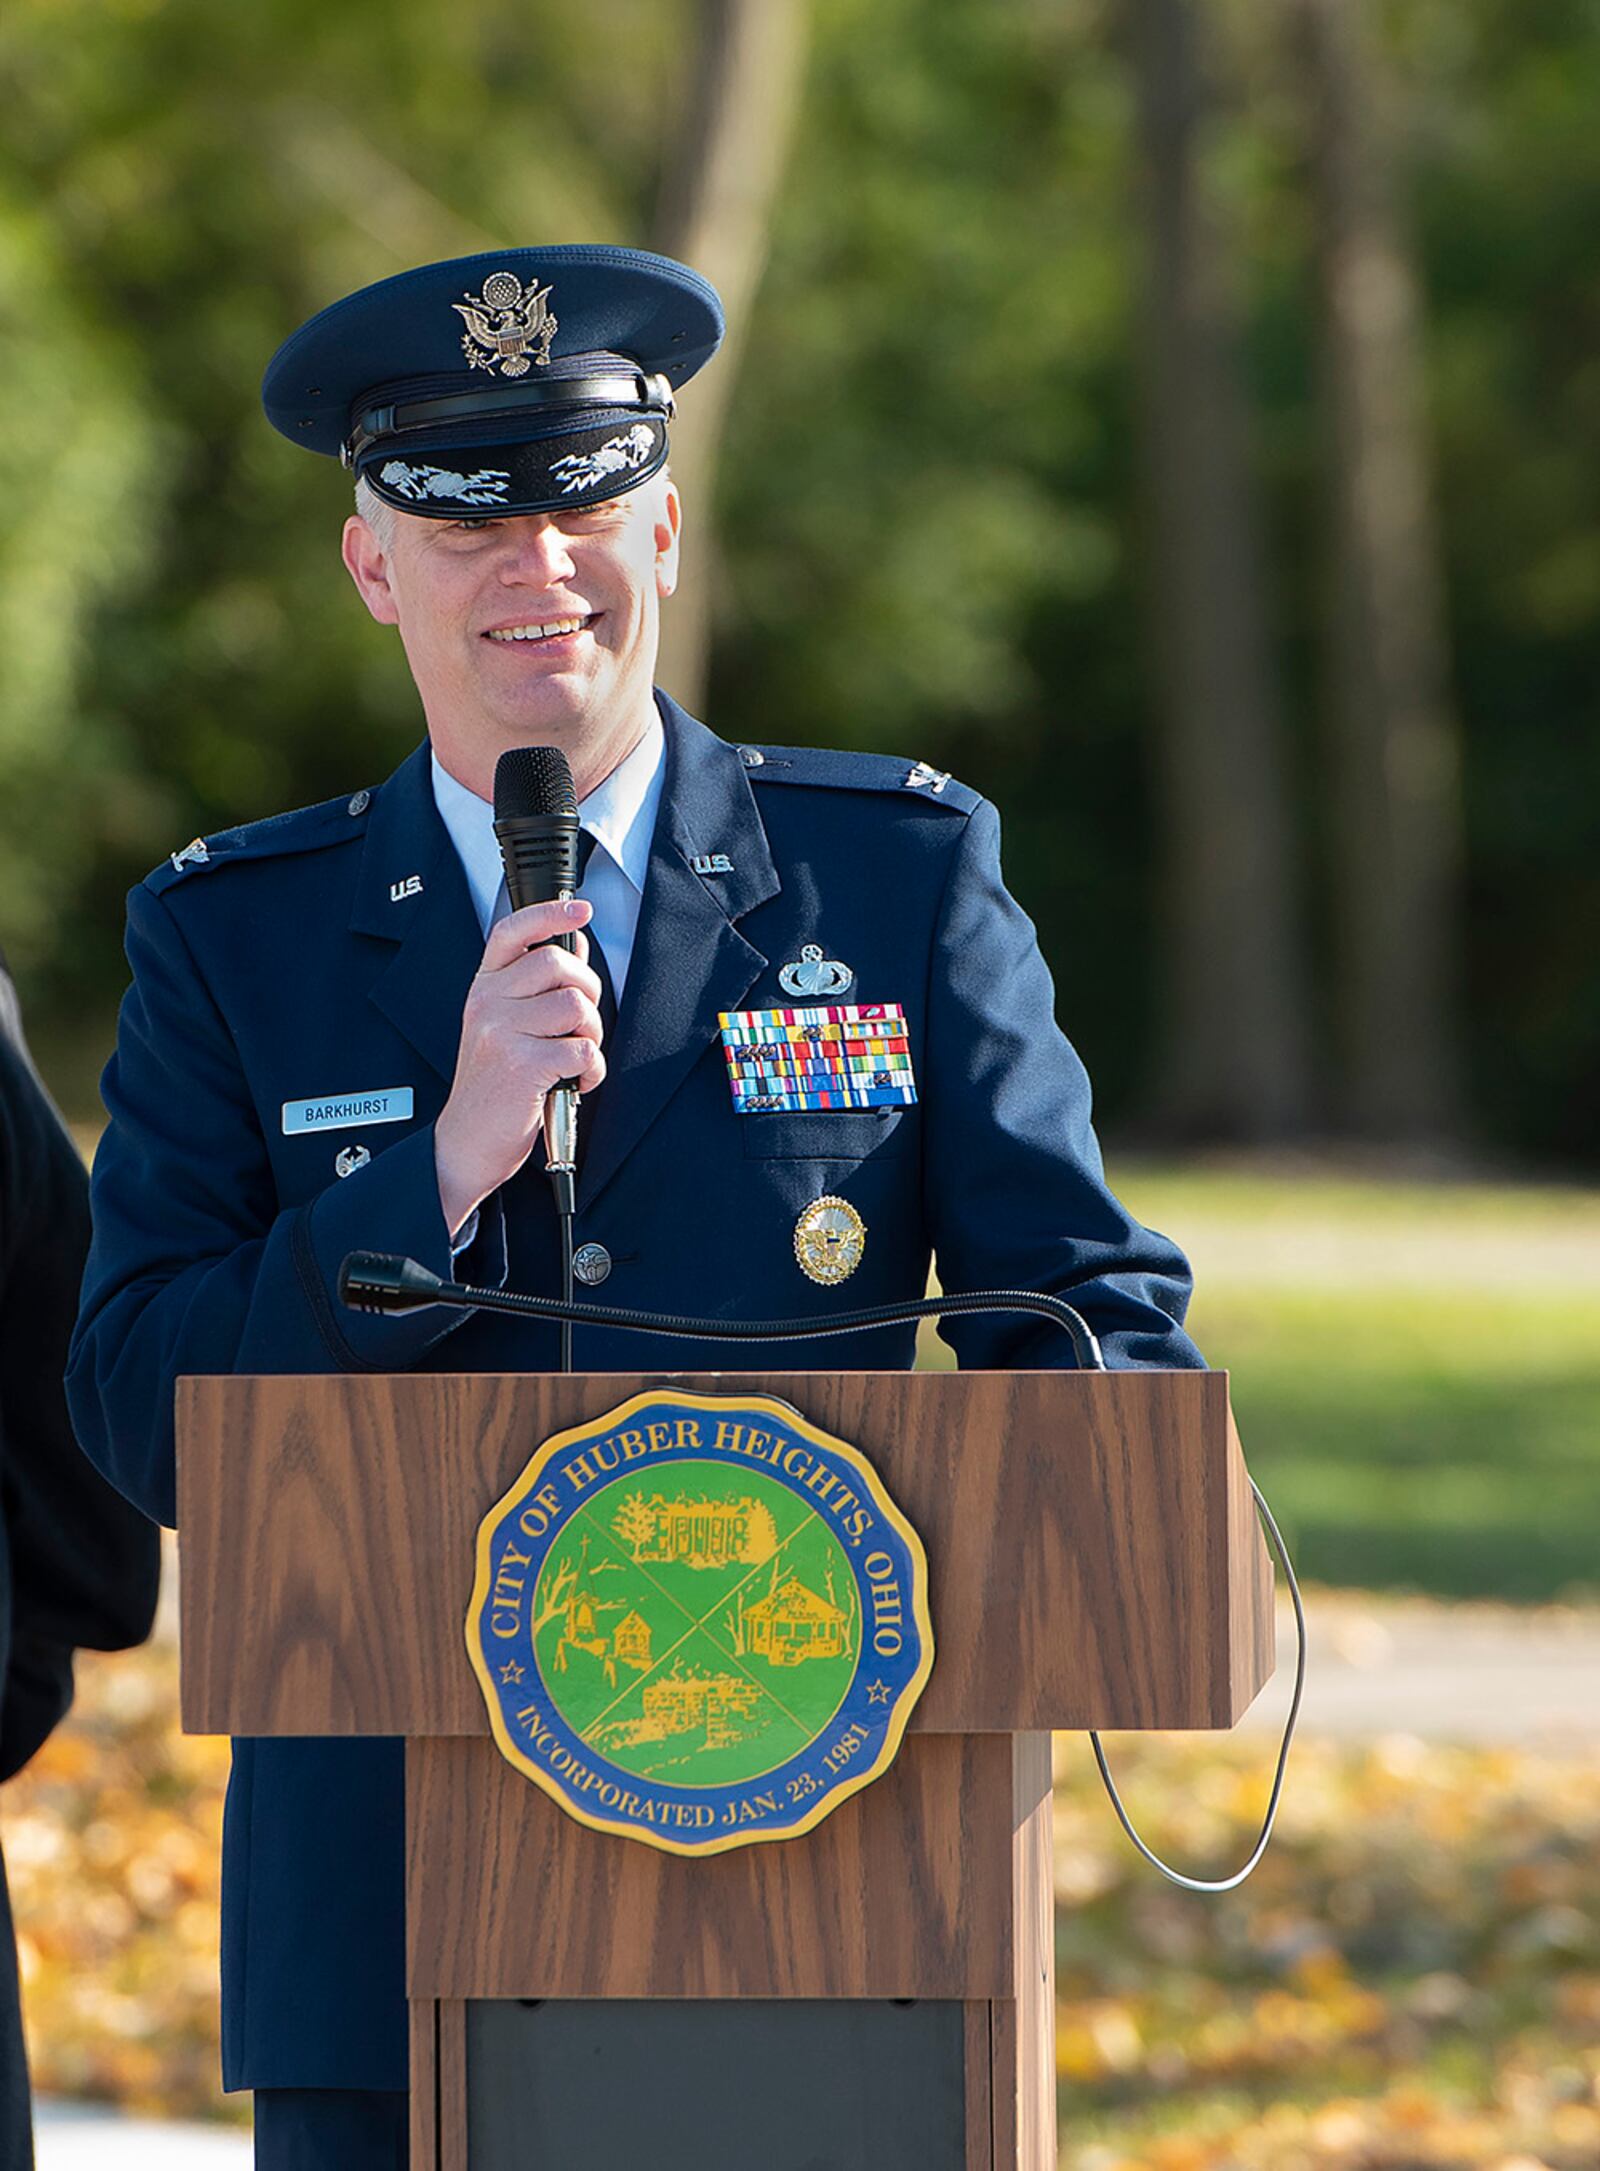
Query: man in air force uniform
{"points": [[336, 1039]]}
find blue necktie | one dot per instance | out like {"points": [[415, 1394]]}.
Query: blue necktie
{"points": [[597, 956]]}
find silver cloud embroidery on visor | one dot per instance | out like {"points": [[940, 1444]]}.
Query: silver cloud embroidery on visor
{"points": [[484, 486], [617, 456]]}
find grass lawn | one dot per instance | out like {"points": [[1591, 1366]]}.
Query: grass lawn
{"points": [[1416, 1370], [1449, 1447]]}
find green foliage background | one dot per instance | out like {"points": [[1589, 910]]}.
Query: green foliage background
{"points": [[929, 511]]}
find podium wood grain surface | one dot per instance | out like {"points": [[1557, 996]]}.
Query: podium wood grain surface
{"points": [[1093, 1555], [1094, 1560], [509, 1897]]}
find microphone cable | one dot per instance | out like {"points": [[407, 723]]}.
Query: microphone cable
{"points": [[569, 1283], [378, 1282]]}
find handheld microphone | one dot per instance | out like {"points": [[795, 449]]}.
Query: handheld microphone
{"points": [[536, 821]]}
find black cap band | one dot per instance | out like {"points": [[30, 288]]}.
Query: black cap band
{"points": [[628, 388]]}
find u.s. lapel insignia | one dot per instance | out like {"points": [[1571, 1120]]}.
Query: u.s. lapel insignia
{"points": [[504, 322], [829, 1239], [815, 978], [711, 863]]}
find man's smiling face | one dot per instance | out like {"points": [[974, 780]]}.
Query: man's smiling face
{"points": [[540, 629]]}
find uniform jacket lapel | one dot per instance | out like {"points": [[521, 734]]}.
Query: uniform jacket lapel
{"points": [[689, 959], [422, 986]]}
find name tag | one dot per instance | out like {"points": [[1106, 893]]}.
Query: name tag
{"points": [[334, 1111]]}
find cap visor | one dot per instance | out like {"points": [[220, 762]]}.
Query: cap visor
{"points": [[571, 467]]}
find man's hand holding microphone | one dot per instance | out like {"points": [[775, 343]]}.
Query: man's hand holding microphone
{"points": [[531, 1022], [531, 1026]]}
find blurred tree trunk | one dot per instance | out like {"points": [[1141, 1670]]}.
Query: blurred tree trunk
{"points": [[1234, 1059], [744, 96], [1395, 758]]}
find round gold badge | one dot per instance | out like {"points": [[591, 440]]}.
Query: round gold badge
{"points": [[829, 1238]]}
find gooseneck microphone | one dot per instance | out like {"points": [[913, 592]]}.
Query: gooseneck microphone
{"points": [[373, 1281], [536, 821]]}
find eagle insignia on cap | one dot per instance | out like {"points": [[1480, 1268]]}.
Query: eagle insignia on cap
{"points": [[504, 322]]}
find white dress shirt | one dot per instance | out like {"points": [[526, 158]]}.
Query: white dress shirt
{"points": [[619, 814]]}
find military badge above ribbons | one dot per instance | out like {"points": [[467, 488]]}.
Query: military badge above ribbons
{"points": [[699, 1621]]}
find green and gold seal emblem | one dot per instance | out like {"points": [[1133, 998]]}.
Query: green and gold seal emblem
{"points": [[700, 1621]]}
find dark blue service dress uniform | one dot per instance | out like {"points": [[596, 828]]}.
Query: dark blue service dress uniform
{"points": [[328, 953]]}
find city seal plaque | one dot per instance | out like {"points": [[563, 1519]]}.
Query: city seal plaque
{"points": [[699, 1621]]}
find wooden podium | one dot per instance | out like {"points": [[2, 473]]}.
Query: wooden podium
{"points": [[879, 1992]]}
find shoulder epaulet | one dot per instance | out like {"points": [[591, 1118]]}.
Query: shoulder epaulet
{"points": [[306, 829], [834, 768]]}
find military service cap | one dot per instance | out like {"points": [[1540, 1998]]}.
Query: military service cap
{"points": [[518, 381]]}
